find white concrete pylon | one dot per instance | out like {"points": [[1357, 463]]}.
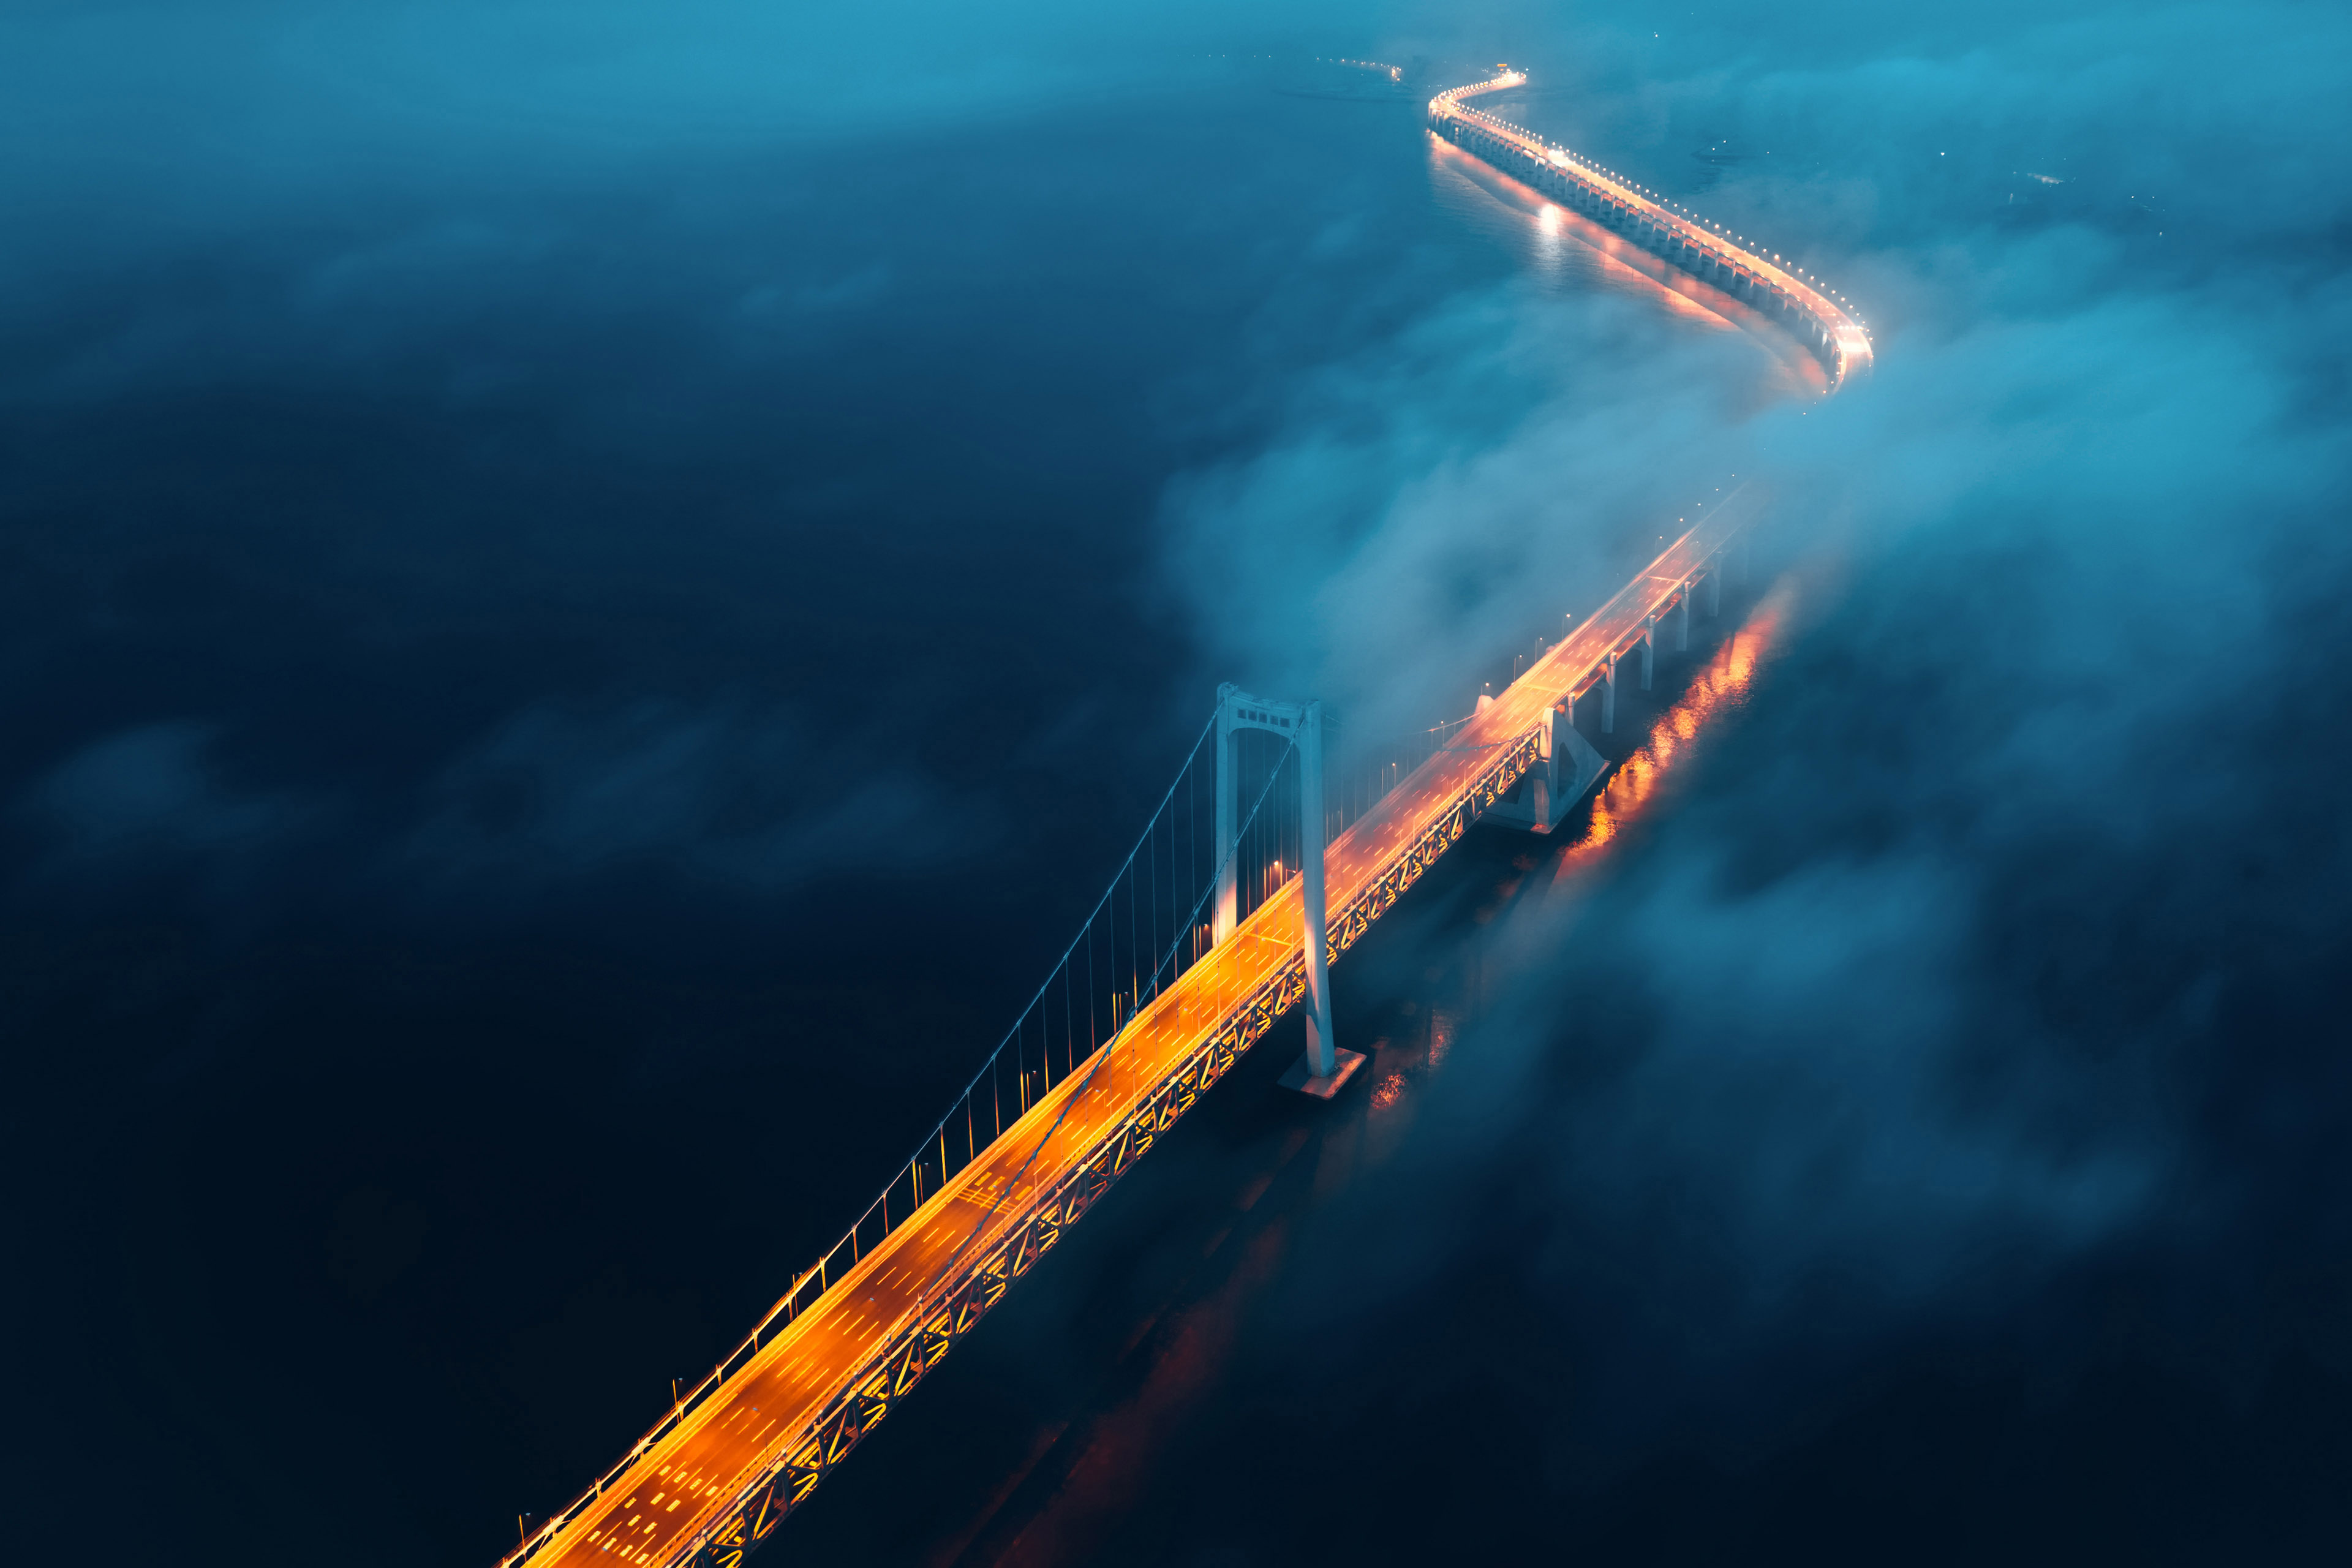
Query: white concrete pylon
{"points": [[1313, 916], [1238, 710], [1324, 1067], [1225, 909]]}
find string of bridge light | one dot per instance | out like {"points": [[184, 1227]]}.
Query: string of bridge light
{"points": [[1655, 198], [1454, 106]]}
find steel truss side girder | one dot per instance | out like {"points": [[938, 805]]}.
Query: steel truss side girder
{"points": [[903, 1359], [1378, 897]]}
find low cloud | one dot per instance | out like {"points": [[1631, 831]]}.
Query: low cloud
{"points": [[1896, 1022], [1447, 496], [757, 799], [153, 792]]}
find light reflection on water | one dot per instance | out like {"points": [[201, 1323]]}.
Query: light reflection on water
{"points": [[1570, 251], [1184, 1352], [1633, 786], [1632, 790]]}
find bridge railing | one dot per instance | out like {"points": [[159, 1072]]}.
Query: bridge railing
{"points": [[1360, 774], [1146, 930], [1841, 337], [1487, 762], [1149, 926], [1007, 1241]]}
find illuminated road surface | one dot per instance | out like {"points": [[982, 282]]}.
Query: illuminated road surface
{"points": [[658, 1510], [1619, 263], [663, 1506], [1523, 155]]}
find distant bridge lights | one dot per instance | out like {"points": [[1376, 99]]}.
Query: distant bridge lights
{"points": [[1660, 222]]}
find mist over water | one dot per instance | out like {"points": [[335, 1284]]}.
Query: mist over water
{"points": [[590, 595], [1960, 1074]]}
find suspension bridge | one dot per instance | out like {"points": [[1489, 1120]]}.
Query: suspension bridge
{"points": [[1227, 914]]}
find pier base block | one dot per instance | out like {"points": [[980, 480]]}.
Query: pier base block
{"points": [[1344, 1065]]}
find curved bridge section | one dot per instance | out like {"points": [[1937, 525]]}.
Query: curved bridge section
{"points": [[1782, 290], [832, 1359]]}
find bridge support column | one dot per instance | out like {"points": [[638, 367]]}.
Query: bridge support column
{"points": [[1565, 768], [1314, 911], [1324, 1067], [1609, 696], [1714, 588], [1225, 907], [1649, 649], [1682, 619]]}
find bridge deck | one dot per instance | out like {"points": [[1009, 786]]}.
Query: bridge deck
{"points": [[703, 1479], [1524, 156]]}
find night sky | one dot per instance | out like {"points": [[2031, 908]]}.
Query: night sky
{"points": [[590, 593]]}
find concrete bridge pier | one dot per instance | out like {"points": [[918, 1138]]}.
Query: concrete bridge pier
{"points": [[1609, 696], [1714, 588], [1682, 618], [1566, 768], [1565, 772], [1649, 648]]}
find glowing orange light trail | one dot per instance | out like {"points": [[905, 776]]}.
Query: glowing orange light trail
{"points": [[721, 1468], [1653, 279], [1844, 338], [746, 1444], [1634, 785]]}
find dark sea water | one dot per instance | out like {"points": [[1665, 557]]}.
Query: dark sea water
{"points": [[552, 723], [563, 687]]}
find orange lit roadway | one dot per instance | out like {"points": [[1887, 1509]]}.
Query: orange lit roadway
{"points": [[1852, 342], [687, 1483]]}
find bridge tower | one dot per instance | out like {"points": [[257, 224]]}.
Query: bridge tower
{"points": [[1324, 1067]]}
